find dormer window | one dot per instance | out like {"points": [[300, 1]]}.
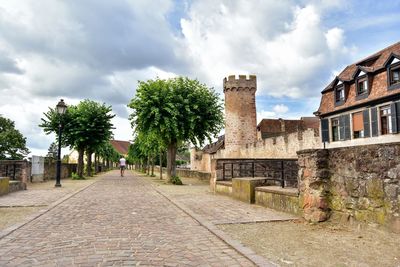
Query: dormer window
{"points": [[362, 85], [394, 75], [393, 72], [339, 94]]}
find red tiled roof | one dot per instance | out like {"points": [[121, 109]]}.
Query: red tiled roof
{"points": [[214, 147], [371, 63], [121, 147]]}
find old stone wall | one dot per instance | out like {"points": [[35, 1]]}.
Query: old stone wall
{"points": [[19, 170], [66, 170], [187, 173], [282, 147], [359, 183]]}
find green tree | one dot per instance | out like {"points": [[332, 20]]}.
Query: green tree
{"points": [[12, 142], [52, 151], [176, 110], [85, 127]]}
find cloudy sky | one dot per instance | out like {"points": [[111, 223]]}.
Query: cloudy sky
{"points": [[98, 49]]}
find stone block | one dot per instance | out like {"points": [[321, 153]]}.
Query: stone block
{"points": [[223, 188], [4, 185], [282, 199], [244, 188], [375, 188]]}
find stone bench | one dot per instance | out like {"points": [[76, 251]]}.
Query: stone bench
{"points": [[278, 198]]}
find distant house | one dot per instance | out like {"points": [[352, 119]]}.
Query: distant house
{"points": [[121, 147], [362, 104], [268, 128]]}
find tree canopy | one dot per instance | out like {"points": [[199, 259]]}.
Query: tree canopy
{"points": [[86, 127], [12, 142], [176, 110]]}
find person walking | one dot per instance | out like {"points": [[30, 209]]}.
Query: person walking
{"points": [[122, 165]]}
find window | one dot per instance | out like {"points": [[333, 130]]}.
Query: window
{"points": [[358, 125], [335, 129], [339, 93], [394, 75], [362, 86], [386, 120]]}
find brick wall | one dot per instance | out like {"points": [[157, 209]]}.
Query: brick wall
{"points": [[359, 183]]}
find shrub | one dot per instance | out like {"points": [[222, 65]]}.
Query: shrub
{"points": [[76, 177], [176, 180]]}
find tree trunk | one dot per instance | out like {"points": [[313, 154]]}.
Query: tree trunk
{"points": [[148, 165], [89, 163], [152, 167], [171, 164], [96, 163], [161, 154], [81, 152]]}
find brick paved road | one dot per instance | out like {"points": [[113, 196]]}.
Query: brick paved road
{"points": [[116, 221]]}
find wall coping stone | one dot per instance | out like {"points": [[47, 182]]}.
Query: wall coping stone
{"points": [[279, 190], [227, 183]]}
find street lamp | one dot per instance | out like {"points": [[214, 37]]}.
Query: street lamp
{"points": [[61, 108]]}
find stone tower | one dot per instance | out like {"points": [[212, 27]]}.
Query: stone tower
{"points": [[240, 113]]}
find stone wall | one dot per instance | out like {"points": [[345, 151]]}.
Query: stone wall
{"points": [[50, 169], [359, 183], [187, 173], [19, 170], [285, 147]]}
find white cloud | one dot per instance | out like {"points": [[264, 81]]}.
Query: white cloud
{"points": [[280, 109], [285, 46]]}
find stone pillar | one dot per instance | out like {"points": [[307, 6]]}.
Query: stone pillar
{"points": [[314, 184], [240, 113], [213, 178]]}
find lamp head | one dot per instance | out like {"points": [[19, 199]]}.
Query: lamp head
{"points": [[61, 107]]}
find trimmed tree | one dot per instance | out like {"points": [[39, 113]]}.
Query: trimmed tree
{"points": [[85, 127], [176, 110], [12, 142]]}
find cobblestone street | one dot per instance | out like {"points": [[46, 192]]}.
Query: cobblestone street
{"points": [[120, 221]]}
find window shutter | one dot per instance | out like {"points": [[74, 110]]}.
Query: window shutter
{"points": [[374, 122], [325, 130], [366, 123], [341, 127], [393, 115], [347, 133]]}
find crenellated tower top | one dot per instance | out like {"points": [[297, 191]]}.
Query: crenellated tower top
{"points": [[244, 82]]}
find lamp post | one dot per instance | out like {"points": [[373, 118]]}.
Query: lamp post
{"points": [[61, 108]]}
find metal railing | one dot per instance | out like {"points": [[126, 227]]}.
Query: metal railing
{"points": [[282, 171]]}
